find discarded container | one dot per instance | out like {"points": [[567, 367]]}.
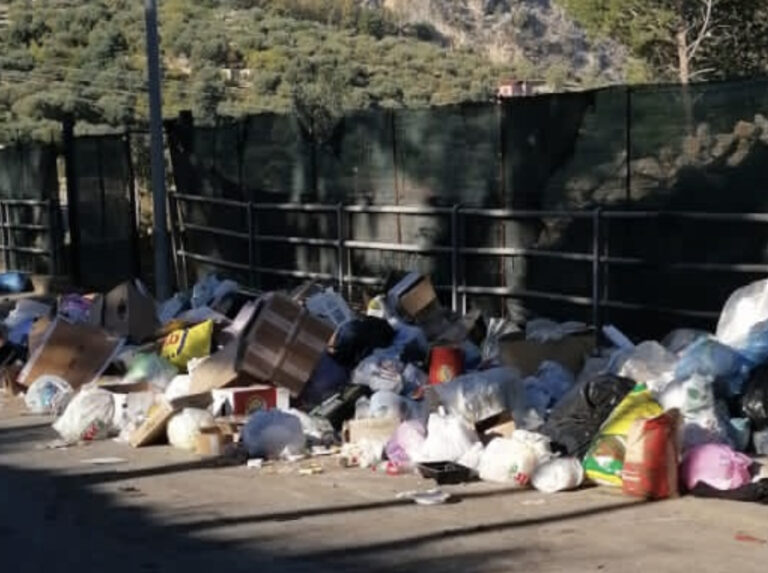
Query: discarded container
{"points": [[445, 364], [414, 296], [446, 473], [246, 401]]}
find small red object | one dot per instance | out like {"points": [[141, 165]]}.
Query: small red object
{"points": [[445, 364]]}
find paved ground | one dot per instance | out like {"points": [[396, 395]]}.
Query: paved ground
{"points": [[166, 511]]}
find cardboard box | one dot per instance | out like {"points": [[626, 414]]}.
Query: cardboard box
{"points": [[527, 355], [414, 296], [219, 370], [78, 353], [211, 442], [130, 311], [153, 428], [284, 345], [37, 334], [373, 430], [246, 401]]}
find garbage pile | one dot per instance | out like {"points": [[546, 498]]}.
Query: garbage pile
{"points": [[406, 386]]}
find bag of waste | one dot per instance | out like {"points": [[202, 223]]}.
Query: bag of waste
{"points": [[410, 341], [558, 474], [406, 443], [711, 359], [545, 330], [680, 339], [743, 323], [181, 346], [385, 404], [497, 328], [380, 371], [703, 422], [716, 465], [651, 364], [48, 395], [754, 402], [448, 439], [328, 378], [414, 379], [650, 463], [357, 339], [151, 368], [604, 461], [131, 411], [88, 416], [14, 282], [760, 442], [171, 308], [273, 434], [577, 417], [513, 460], [551, 382], [184, 427], [329, 305], [481, 395]]}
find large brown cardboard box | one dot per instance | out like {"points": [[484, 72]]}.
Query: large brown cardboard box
{"points": [[78, 353], [527, 355], [284, 344], [130, 312], [414, 296]]}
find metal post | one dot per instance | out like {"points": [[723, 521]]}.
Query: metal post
{"points": [[160, 228], [73, 198], [340, 245], [596, 267], [6, 241], [455, 257]]}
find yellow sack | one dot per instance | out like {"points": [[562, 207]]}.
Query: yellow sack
{"points": [[604, 461], [181, 346]]}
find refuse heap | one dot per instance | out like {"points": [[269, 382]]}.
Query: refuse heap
{"points": [[407, 386]]}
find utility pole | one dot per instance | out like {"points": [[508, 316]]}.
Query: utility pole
{"points": [[157, 153]]}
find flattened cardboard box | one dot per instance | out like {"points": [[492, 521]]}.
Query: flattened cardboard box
{"points": [[284, 344], [151, 431], [219, 370], [78, 353]]}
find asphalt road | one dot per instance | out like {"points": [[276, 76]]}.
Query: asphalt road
{"points": [[163, 510]]}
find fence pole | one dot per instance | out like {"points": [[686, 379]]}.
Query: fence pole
{"points": [[455, 257], [73, 197], [340, 255], [596, 274], [6, 242]]}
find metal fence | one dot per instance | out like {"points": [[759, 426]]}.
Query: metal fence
{"points": [[597, 264], [19, 237]]}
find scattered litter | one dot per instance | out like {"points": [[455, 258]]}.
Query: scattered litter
{"points": [[429, 497], [104, 461]]}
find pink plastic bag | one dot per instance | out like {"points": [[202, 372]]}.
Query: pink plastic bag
{"points": [[716, 465]]}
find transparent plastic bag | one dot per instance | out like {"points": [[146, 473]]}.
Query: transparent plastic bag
{"points": [[481, 395], [48, 395], [545, 330], [380, 371], [497, 328], [88, 416], [651, 364], [448, 439], [709, 358], [744, 309], [551, 382]]}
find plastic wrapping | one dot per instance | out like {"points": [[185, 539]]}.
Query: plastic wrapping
{"points": [[497, 328], [545, 330], [680, 339], [744, 313], [406, 443], [559, 474], [711, 359], [551, 382], [385, 404], [481, 395], [513, 460], [273, 434], [151, 368], [88, 416], [185, 426]]}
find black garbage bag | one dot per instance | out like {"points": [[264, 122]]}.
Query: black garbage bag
{"points": [[357, 339], [577, 417], [754, 401]]}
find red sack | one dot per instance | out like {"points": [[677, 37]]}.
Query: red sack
{"points": [[650, 465]]}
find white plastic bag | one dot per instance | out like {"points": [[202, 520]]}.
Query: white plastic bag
{"points": [[745, 308], [88, 416], [650, 364], [559, 474], [48, 395], [185, 426], [513, 460], [273, 434], [448, 439], [131, 410]]}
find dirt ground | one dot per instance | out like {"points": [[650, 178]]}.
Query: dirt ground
{"points": [[163, 510]]}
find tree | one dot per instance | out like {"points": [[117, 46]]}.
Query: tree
{"points": [[207, 93], [669, 34]]}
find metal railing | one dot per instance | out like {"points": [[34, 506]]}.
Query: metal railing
{"points": [[9, 245], [597, 258]]}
